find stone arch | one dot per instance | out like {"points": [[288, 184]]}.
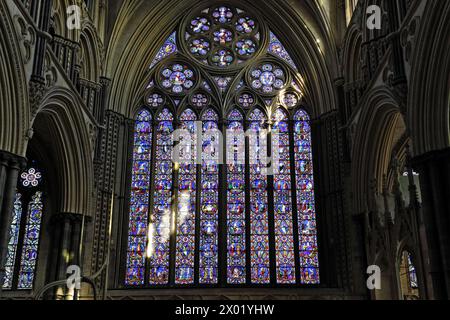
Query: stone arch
{"points": [[129, 68], [402, 278], [90, 54], [375, 137], [14, 100], [352, 54], [62, 125], [428, 114]]}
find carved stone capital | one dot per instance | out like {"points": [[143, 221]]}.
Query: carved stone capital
{"points": [[37, 92]]}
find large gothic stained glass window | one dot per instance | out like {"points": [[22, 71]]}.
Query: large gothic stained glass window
{"points": [[24, 233], [224, 92]]}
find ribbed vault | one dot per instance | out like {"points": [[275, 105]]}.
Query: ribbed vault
{"points": [[377, 133]]}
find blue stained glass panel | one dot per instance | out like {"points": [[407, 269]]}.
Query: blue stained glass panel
{"points": [[161, 218], [259, 215], [169, 47], [31, 243], [13, 242], [309, 261], [138, 216], [209, 200], [186, 214], [236, 241], [284, 231], [276, 48], [413, 283]]}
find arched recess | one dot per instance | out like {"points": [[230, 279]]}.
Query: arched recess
{"points": [[428, 114], [62, 127], [352, 54], [379, 129], [408, 271], [15, 113], [90, 54], [130, 53]]}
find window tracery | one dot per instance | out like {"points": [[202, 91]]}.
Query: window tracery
{"points": [[201, 215]]}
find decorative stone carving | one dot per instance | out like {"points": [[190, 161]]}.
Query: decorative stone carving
{"points": [[27, 37]]}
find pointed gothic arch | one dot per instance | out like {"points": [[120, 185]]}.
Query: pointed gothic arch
{"points": [[213, 51], [14, 96]]}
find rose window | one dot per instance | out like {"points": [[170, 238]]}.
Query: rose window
{"points": [[222, 37], [222, 58], [290, 100], [267, 78], [200, 47], [177, 78], [245, 48], [200, 25], [223, 15], [155, 100], [246, 100], [31, 178], [245, 25], [200, 100]]}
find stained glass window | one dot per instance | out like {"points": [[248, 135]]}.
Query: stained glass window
{"points": [[159, 228], [284, 230], [13, 242], [412, 275], [140, 192], [236, 213], [209, 212], [222, 37], [196, 220], [31, 242], [169, 48], [259, 207], [276, 48], [267, 78], [309, 260], [185, 257], [24, 232]]}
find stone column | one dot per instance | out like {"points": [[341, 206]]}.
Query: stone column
{"points": [[37, 82], [434, 170], [67, 241], [10, 166]]}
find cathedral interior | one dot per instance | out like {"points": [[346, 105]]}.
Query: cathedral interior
{"points": [[356, 92]]}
